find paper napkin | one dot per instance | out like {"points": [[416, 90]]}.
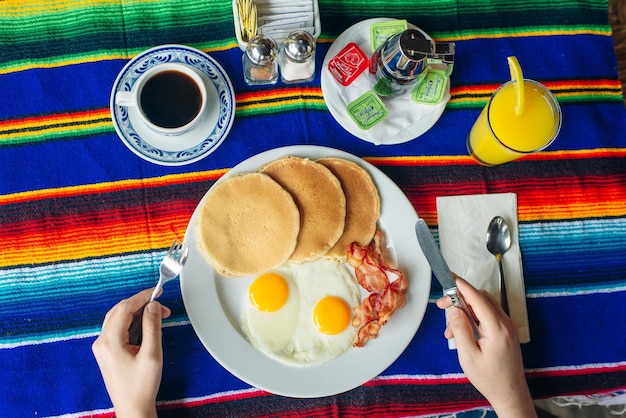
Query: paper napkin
{"points": [[463, 222]]}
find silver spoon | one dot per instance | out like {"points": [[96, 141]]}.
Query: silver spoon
{"points": [[498, 242]]}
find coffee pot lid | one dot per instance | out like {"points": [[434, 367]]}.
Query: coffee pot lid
{"points": [[415, 45]]}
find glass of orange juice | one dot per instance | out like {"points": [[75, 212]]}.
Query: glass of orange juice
{"points": [[500, 135]]}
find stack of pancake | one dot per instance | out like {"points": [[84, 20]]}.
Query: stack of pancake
{"points": [[291, 209]]}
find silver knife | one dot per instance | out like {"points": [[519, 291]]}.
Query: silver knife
{"points": [[442, 272]]}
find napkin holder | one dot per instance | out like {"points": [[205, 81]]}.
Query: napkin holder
{"points": [[243, 44]]}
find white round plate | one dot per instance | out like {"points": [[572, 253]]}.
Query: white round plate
{"points": [[214, 302], [425, 116], [191, 146]]}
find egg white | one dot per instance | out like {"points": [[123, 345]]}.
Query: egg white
{"points": [[289, 334], [272, 331]]}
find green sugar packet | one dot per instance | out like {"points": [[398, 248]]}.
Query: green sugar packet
{"points": [[367, 110], [431, 90], [383, 87], [380, 31]]}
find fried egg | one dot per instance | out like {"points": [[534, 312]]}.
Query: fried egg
{"points": [[301, 313]]}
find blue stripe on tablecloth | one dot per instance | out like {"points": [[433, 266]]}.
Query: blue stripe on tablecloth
{"points": [[37, 392], [574, 257], [92, 164], [82, 291], [96, 79], [28, 292], [478, 67], [559, 342], [69, 300], [558, 348], [556, 257]]}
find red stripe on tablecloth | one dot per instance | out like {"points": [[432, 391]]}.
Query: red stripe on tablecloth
{"points": [[590, 369], [384, 396], [349, 404], [217, 398], [113, 218]]}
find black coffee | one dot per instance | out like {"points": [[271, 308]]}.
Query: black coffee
{"points": [[171, 99]]}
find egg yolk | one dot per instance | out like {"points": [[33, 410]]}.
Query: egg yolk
{"points": [[332, 315], [269, 292]]}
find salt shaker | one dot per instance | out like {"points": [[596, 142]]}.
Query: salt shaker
{"points": [[260, 65], [297, 58]]}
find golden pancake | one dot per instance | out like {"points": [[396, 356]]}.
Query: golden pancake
{"points": [[362, 205], [247, 224], [320, 199]]}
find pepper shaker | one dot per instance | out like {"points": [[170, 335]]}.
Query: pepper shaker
{"points": [[260, 65], [297, 58]]}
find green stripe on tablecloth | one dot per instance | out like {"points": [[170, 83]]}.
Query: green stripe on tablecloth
{"points": [[75, 134], [446, 9], [76, 21], [63, 58], [84, 32], [52, 35], [141, 18], [98, 47], [448, 20], [79, 130]]}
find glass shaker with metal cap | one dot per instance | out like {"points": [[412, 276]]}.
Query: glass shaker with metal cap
{"points": [[260, 64], [402, 61], [297, 58]]}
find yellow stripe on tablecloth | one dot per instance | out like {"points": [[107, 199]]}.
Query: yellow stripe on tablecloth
{"points": [[107, 187], [57, 129], [16, 8], [97, 56], [445, 160], [89, 242], [520, 32]]}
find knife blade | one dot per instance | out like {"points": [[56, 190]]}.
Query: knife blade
{"points": [[442, 272]]}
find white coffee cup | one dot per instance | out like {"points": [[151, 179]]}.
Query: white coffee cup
{"points": [[171, 98]]}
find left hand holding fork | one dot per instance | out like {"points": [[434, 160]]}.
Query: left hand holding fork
{"points": [[132, 373]]}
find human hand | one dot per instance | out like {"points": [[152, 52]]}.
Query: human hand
{"points": [[493, 363], [132, 373]]}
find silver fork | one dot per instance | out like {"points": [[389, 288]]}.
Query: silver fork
{"points": [[170, 268]]}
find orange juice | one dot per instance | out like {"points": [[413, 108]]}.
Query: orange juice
{"points": [[500, 135]]}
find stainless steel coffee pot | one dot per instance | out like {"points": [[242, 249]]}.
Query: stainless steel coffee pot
{"points": [[401, 62]]}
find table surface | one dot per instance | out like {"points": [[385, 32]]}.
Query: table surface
{"points": [[84, 222]]}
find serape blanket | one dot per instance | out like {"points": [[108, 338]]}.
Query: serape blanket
{"points": [[84, 222]]}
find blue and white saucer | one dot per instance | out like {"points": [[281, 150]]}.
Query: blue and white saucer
{"points": [[191, 146]]}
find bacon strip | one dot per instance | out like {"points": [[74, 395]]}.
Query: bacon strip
{"points": [[367, 265], [366, 319], [373, 274]]}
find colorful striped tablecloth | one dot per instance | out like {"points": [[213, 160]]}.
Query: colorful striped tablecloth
{"points": [[84, 222]]}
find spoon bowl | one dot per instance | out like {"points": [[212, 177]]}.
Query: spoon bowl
{"points": [[498, 242]]}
